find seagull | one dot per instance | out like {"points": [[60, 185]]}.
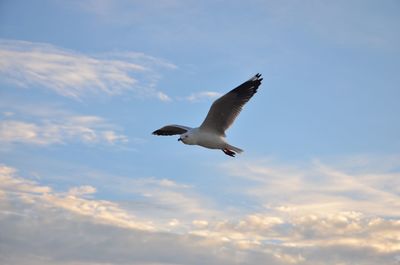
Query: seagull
{"points": [[222, 114]]}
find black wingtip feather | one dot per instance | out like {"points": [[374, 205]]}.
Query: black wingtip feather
{"points": [[158, 132]]}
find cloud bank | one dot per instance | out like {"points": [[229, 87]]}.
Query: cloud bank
{"points": [[293, 228]]}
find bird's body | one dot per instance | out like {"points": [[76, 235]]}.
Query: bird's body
{"points": [[197, 136], [211, 133]]}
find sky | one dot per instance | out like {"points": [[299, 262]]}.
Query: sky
{"points": [[84, 83]]}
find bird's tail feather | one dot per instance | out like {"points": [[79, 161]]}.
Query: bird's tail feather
{"points": [[236, 149]]}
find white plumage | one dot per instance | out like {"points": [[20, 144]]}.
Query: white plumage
{"points": [[223, 112]]}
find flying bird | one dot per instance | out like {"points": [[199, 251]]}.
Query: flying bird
{"points": [[223, 112]]}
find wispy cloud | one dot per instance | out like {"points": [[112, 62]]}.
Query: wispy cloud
{"points": [[162, 96], [58, 127], [167, 200], [318, 186], [203, 95], [73, 74]]}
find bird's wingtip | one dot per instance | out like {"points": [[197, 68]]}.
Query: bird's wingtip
{"points": [[257, 77]]}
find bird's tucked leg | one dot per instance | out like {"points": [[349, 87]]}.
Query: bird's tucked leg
{"points": [[229, 152]]}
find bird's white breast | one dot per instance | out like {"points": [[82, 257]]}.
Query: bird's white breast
{"points": [[209, 140]]}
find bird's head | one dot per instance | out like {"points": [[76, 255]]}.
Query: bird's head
{"points": [[187, 138]]}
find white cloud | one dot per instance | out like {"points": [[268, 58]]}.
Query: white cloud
{"points": [[67, 129], [154, 182], [46, 126], [320, 187], [284, 232], [88, 226], [82, 190], [9, 182], [73, 201], [112, 137], [167, 199], [200, 223], [75, 75], [203, 95], [162, 96]]}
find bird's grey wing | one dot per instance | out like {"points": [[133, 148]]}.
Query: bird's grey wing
{"points": [[225, 109], [172, 130]]}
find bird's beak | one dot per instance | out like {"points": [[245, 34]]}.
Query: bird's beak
{"points": [[179, 139]]}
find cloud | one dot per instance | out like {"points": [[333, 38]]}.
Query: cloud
{"points": [[167, 200], [36, 219], [317, 186], [318, 205], [75, 75], [162, 96], [90, 231], [15, 184], [74, 201], [82, 190], [203, 95], [47, 127]]}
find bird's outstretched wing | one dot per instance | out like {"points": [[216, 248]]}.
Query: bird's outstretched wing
{"points": [[224, 110], [172, 130]]}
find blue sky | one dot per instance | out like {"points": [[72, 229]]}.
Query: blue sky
{"points": [[84, 83]]}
